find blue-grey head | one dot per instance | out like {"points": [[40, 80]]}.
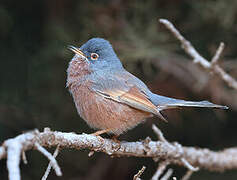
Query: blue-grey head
{"points": [[99, 53]]}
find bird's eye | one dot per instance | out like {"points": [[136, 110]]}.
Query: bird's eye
{"points": [[94, 56]]}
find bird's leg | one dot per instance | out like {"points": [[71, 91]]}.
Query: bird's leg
{"points": [[98, 133], [115, 138]]}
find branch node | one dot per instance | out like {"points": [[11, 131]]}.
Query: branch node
{"points": [[173, 153], [159, 134], [188, 165], [47, 129], [50, 165], [197, 58], [180, 149], [50, 158]]}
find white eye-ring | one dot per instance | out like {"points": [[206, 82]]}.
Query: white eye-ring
{"points": [[94, 56]]}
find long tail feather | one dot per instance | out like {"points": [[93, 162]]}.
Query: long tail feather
{"points": [[182, 103], [163, 102]]}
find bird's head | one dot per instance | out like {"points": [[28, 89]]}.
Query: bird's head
{"points": [[98, 54]]}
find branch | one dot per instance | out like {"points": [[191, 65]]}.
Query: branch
{"points": [[167, 174], [51, 158], [140, 172], [197, 58], [161, 168], [187, 175], [14, 149], [50, 165], [172, 152]]}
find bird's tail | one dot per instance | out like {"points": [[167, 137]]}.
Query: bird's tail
{"points": [[182, 103], [166, 103]]}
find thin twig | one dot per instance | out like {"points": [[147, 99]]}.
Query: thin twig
{"points": [[197, 58], [158, 132], [160, 170], [186, 45], [167, 174], [2, 152], [187, 175], [217, 55], [91, 153], [23, 154], [177, 145], [188, 165], [52, 160], [50, 165], [139, 173]]}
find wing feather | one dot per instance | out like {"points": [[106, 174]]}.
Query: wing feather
{"points": [[133, 97]]}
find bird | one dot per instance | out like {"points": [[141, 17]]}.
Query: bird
{"points": [[108, 97]]}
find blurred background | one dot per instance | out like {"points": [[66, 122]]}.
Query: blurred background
{"points": [[34, 57]]}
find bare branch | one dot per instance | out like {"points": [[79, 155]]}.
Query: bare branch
{"points": [[159, 134], [13, 159], [2, 153], [50, 165], [23, 154], [197, 58], [52, 160], [91, 153], [216, 57], [140, 172], [178, 146], [160, 170], [167, 174], [187, 175], [171, 152], [188, 165]]}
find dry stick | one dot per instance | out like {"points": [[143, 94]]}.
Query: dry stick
{"points": [[50, 165], [23, 154], [188, 165], [159, 133], [202, 158], [52, 160], [2, 152], [140, 172], [160, 170], [216, 57], [177, 145], [187, 175], [167, 174], [13, 159], [197, 58], [91, 153]]}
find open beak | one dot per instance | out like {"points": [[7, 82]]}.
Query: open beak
{"points": [[77, 51]]}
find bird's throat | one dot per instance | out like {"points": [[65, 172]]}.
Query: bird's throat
{"points": [[76, 71]]}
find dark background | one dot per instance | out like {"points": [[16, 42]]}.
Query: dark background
{"points": [[34, 57]]}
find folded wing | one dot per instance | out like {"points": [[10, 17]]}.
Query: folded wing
{"points": [[133, 97]]}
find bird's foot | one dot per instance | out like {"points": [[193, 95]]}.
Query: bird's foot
{"points": [[98, 133], [115, 139]]}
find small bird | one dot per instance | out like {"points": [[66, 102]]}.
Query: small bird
{"points": [[108, 97]]}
